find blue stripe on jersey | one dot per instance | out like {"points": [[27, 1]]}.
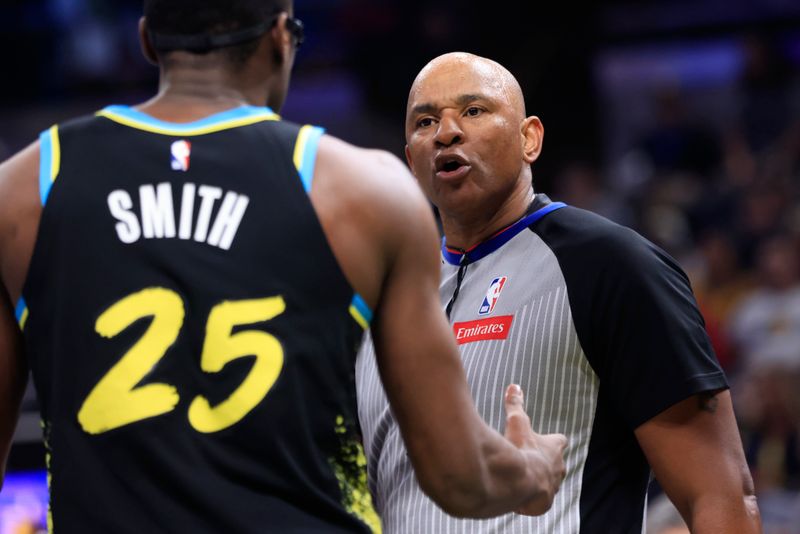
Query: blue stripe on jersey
{"points": [[218, 121], [360, 311], [49, 161], [500, 239], [305, 153]]}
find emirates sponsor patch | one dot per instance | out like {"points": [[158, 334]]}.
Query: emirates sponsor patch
{"points": [[482, 329]]}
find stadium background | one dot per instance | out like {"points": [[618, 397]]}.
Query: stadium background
{"points": [[679, 118]]}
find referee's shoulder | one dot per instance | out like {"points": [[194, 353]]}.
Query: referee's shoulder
{"points": [[579, 235]]}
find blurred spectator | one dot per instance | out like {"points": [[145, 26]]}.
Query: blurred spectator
{"points": [[739, 162], [581, 185], [765, 87], [766, 327], [763, 208], [771, 422], [668, 227], [676, 142], [720, 285], [716, 203], [768, 406]]}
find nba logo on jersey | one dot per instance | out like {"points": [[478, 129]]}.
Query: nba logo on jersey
{"points": [[181, 151], [492, 294]]}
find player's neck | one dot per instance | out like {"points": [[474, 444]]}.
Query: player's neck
{"points": [[190, 94], [465, 231]]}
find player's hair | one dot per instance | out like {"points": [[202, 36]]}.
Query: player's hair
{"points": [[211, 18]]}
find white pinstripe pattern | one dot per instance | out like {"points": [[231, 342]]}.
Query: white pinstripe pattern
{"points": [[542, 353]]}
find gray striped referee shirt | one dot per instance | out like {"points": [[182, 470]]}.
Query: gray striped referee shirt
{"points": [[600, 329]]}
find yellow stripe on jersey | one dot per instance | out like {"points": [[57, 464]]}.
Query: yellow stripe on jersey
{"points": [[305, 153], [23, 319], [300, 145], [360, 311], [55, 162], [179, 131], [360, 319]]}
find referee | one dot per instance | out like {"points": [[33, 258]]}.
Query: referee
{"points": [[597, 325]]}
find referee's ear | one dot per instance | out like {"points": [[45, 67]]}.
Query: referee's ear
{"points": [[148, 50], [533, 135]]}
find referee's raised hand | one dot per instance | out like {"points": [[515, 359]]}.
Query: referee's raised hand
{"points": [[545, 452]]}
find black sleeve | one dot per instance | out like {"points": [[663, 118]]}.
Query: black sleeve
{"points": [[635, 315]]}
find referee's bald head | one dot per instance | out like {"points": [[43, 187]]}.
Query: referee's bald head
{"points": [[491, 74]]}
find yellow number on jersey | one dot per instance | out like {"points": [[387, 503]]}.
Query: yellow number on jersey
{"points": [[116, 401], [221, 346]]}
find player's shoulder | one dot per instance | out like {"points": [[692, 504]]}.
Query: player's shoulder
{"points": [[19, 174], [26, 161], [585, 238], [370, 175], [373, 191], [79, 122], [21, 167], [369, 160], [86, 124], [19, 193]]}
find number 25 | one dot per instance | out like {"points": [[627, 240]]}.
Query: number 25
{"points": [[116, 400]]}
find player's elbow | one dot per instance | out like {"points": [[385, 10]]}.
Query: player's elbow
{"points": [[729, 506], [751, 509], [749, 498]]}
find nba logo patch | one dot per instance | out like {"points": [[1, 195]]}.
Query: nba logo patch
{"points": [[181, 151], [492, 294]]}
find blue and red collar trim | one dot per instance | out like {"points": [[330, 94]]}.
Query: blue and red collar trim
{"points": [[476, 252]]}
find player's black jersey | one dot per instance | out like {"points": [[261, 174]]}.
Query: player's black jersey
{"points": [[191, 335]]}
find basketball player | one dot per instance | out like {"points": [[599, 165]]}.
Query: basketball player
{"points": [[192, 277], [597, 325]]}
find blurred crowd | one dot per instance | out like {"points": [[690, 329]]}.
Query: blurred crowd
{"points": [[726, 204]]}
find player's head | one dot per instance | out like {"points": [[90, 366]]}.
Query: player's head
{"points": [[258, 37], [470, 144]]}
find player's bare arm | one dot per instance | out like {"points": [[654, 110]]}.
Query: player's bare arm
{"points": [[693, 448], [13, 373], [466, 467], [17, 179], [20, 209]]}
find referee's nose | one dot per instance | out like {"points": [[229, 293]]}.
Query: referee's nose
{"points": [[448, 132]]}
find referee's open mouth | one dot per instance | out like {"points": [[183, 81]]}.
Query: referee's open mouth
{"points": [[451, 166]]}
